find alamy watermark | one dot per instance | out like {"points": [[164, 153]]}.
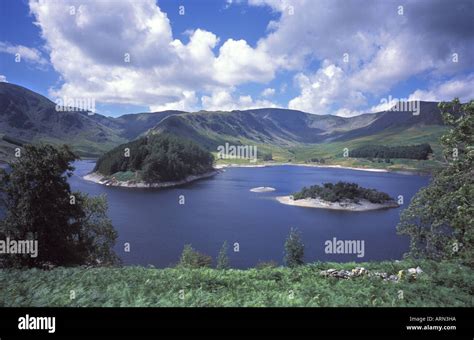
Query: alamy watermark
{"points": [[9, 246], [402, 105], [336, 246], [229, 151], [68, 104], [28, 322]]}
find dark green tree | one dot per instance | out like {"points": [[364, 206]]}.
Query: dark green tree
{"points": [[440, 218], [223, 258], [71, 228], [294, 249]]}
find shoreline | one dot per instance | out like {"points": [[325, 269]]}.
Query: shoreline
{"points": [[335, 166], [103, 180], [222, 167], [363, 205]]}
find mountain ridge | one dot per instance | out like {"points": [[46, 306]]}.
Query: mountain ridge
{"points": [[29, 116]]}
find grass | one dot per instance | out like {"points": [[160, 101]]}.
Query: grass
{"points": [[332, 152], [441, 284]]}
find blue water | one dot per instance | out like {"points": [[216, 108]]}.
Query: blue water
{"points": [[222, 208]]}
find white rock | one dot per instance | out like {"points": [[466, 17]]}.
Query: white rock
{"points": [[262, 189]]}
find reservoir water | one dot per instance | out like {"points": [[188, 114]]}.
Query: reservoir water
{"points": [[222, 208]]}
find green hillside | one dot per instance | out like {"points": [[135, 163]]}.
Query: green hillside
{"points": [[288, 135], [440, 285]]}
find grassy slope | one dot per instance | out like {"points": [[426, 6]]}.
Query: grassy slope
{"points": [[332, 151], [441, 284], [82, 145]]}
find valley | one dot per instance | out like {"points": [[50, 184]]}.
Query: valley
{"points": [[279, 134]]}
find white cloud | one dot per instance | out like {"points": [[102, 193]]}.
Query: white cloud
{"points": [[223, 100], [268, 92], [461, 87], [321, 91], [3, 79], [238, 63], [188, 103], [29, 54], [383, 48], [88, 49]]}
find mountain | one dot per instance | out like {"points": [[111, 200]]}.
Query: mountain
{"points": [[287, 128], [31, 117]]}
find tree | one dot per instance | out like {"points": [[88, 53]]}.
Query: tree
{"points": [[222, 258], [160, 157], [69, 227], [98, 233], [440, 218], [191, 258], [294, 249]]}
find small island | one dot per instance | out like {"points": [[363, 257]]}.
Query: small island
{"points": [[154, 161], [340, 196], [262, 189]]}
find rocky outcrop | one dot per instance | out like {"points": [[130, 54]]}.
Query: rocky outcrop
{"points": [[362, 205], [410, 273]]}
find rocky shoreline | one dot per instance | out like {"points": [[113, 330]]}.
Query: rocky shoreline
{"points": [[105, 180], [235, 165], [362, 205]]}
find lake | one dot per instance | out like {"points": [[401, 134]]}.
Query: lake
{"points": [[222, 208]]}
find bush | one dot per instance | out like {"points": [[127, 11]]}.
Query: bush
{"points": [[191, 258], [266, 264], [294, 249], [222, 258]]}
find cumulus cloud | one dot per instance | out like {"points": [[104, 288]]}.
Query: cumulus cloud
{"points": [[373, 46], [461, 87], [329, 86], [224, 100], [124, 52], [189, 103], [29, 54], [268, 92], [238, 63], [3, 79]]}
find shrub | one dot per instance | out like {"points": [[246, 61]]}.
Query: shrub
{"points": [[191, 258], [294, 249], [266, 264], [222, 258]]}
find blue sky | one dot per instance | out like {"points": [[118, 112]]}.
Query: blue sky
{"points": [[322, 57]]}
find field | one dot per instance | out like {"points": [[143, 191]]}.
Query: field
{"points": [[440, 284]]}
